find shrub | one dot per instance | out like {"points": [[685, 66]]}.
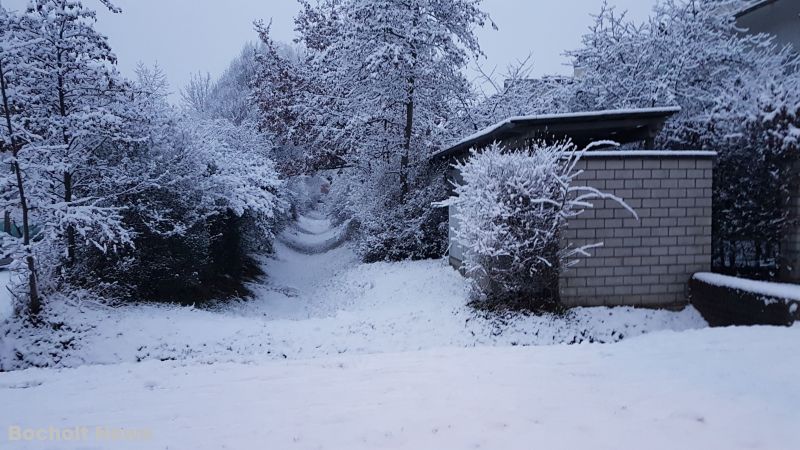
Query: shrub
{"points": [[388, 226], [511, 208]]}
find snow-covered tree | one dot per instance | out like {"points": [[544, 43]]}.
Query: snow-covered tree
{"points": [[386, 78], [512, 93], [63, 103], [15, 138], [276, 88], [232, 92], [690, 53], [108, 181], [687, 53], [76, 107], [511, 207], [196, 95], [204, 194], [237, 174]]}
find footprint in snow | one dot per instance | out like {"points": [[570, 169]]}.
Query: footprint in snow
{"points": [[23, 385]]}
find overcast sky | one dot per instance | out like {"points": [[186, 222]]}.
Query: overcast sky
{"points": [[186, 36]]}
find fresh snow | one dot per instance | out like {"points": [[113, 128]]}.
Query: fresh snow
{"points": [[331, 353], [780, 291], [662, 153], [314, 305], [708, 389]]}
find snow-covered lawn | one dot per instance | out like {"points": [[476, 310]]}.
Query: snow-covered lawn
{"points": [[314, 305], [335, 354], [705, 389]]}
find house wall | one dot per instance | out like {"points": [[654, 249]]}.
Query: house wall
{"points": [[780, 18], [791, 244], [649, 261], [455, 251]]}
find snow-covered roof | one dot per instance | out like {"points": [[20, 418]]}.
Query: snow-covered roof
{"points": [[619, 125], [651, 153]]}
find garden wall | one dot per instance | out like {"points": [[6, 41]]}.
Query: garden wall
{"points": [[725, 301], [646, 261]]}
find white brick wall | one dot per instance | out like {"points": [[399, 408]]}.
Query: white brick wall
{"points": [[644, 262]]}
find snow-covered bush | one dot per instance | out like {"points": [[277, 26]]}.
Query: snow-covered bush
{"points": [[511, 207], [205, 196], [412, 229]]}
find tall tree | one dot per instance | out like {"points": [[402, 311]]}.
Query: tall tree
{"points": [[63, 104], [276, 89], [391, 69], [78, 105], [15, 137], [386, 76]]}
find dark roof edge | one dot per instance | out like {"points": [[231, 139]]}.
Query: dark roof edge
{"points": [[754, 7], [512, 122]]}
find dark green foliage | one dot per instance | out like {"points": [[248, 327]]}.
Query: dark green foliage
{"points": [[414, 229], [753, 182], [208, 261]]}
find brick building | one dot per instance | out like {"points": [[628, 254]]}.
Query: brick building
{"points": [[643, 262]]}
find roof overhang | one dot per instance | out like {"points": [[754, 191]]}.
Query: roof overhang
{"points": [[583, 128], [755, 6]]}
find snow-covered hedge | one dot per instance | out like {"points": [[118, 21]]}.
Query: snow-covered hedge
{"points": [[511, 207], [724, 300]]}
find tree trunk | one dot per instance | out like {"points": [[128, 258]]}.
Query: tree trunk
{"points": [[405, 158], [70, 228], [62, 109], [34, 302]]}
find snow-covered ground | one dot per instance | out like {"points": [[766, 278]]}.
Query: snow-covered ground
{"points": [[334, 354], [706, 389], [314, 305]]}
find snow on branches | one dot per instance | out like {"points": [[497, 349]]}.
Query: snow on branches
{"points": [[687, 53], [107, 180], [382, 80], [235, 172], [62, 102], [511, 207]]}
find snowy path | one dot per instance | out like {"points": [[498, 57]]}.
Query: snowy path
{"points": [[319, 300], [308, 257], [707, 389]]}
